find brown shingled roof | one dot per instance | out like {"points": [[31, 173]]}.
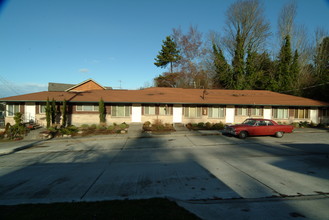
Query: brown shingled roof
{"points": [[174, 96]]}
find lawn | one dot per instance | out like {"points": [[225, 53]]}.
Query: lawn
{"points": [[123, 209]]}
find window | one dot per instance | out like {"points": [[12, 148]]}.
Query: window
{"points": [[216, 112], [42, 109], [257, 111], [280, 113], [87, 108], [243, 111], [302, 113], [121, 111], [149, 110], [192, 112], [12, 109], [164, 110]]}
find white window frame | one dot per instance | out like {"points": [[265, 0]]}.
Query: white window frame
{"points": [[220, 112], [16, 108], [126, 110], [84, 108], [188, 110], [278, 112]]}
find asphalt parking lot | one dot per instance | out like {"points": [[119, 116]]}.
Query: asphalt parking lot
{"points": [[213, 176]]}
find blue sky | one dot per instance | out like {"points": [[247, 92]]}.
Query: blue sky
{"points": [[109, 41]]}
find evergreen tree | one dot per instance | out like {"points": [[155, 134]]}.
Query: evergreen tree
{"points": [[222, 78], [284, 78], [168, 54], [101, 109], [64, 114], [266, 78], [53, 111], [251, 69], [238, 63], [48, 113], [294, 71]]}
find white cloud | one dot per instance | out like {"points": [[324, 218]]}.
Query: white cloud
{"points": [[83, 70]]}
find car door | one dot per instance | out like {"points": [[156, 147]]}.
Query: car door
{"points": [[256, 129]]}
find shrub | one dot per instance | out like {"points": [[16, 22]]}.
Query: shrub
{"points": [[157, 122], [304, 124], [295, 125], [70, 130], [101, 126], [93, 126], [201, 124], [18, 130], [208, 125], [111, 127], [218, 126], [123, 126], [84, 126]]}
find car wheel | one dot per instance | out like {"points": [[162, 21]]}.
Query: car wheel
{"points": [[279, 134], [243, 134]]}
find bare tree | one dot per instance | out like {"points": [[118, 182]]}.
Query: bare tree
{"points": [[286, 20], [298, 33], [192, 50], [248, 17], [299, 41]]}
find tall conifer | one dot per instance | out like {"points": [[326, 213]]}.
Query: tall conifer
{"points": [[168, 54], [238, 63], [223, 77]]}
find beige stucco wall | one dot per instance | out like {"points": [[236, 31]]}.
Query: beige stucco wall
{"points": [[80, 119], [41, 119], [9, 120]]}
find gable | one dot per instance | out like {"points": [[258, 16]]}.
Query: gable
{"points": [[86, 86]]}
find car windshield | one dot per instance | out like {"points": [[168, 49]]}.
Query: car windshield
{"points": [[249, 122]]}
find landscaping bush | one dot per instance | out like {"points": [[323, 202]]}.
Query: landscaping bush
{"points": [[209, 125], [93, 126], [304, 124], [218, 126], [84, 126], [111, 127], [201, 125], [18, 130], [124, 126], [158, 126], [205, 126]]}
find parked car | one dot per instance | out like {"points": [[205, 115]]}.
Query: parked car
{"points": [[254, 127]]}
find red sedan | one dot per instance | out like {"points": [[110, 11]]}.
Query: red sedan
{"points": [[254, 127]]}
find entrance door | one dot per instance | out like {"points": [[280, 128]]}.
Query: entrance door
{"points": [[29, 112], [136, 113], [177, 114]]}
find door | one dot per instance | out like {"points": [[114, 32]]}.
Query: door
{"points": [[136, 113], [177, 114], [29, 115]]}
